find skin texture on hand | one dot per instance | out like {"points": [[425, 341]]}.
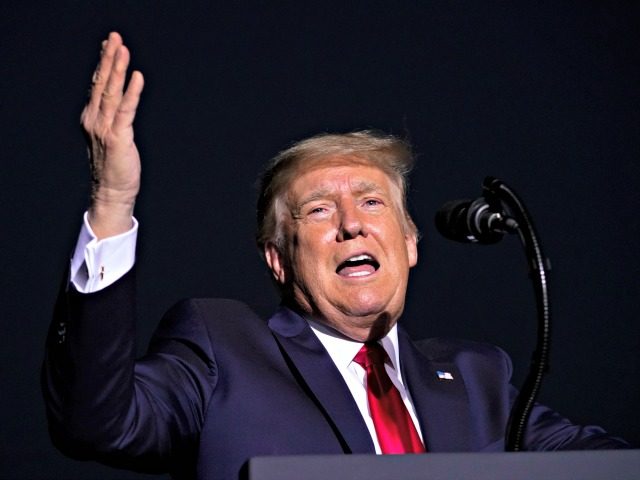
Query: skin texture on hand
{"points": [[107, 120]]}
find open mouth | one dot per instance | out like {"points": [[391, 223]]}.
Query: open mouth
{"points": [[358, 266]]}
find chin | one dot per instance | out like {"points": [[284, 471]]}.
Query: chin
{"points": [[365, 309], [366, 303]]}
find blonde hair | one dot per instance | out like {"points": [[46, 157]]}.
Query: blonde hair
{"points": [[387, 152]]}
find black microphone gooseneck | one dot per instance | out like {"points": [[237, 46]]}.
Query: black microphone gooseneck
{"points": [[485, 220]]}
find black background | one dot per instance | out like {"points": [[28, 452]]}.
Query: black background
{"points": [[544, 95]]}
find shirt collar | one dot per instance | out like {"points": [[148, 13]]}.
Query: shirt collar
{"points": [[342, 349]]}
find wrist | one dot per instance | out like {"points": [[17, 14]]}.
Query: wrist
{"points": [[110, 213]]}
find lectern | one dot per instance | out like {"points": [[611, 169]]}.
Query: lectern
{"points": [[575, 465]]}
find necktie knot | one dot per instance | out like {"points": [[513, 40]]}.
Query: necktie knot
{"points": [[371, 353]]}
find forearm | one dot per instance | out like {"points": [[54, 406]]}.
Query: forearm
{"points": [[88, 370], [548, 430], [104, 405], [97, 408]]}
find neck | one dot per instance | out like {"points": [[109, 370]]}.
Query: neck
{"points": [[358, 328]]}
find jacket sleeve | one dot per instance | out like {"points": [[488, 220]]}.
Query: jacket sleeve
{"points": [[102, 404], [546, 429]]}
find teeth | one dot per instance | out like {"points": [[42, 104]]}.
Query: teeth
{"points": [[359, 274], [358, 258]]}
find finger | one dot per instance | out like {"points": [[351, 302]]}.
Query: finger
{"points": [[101, 74], [113, 90], [127, 110]]}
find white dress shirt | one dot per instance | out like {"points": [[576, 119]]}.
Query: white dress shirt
{"points": [[342, 350], [96, 264]]}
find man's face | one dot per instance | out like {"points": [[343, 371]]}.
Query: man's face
{"points": [[347, 255]]}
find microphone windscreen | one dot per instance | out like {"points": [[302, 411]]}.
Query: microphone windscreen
{"points": [[451, 220]]}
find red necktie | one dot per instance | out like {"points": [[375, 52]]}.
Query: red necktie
{"points": [[394, 427]]}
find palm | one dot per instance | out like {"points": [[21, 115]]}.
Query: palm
{"points": [[107, 120]]}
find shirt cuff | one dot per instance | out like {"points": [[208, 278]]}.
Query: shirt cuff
{"points": [[96, 264]]}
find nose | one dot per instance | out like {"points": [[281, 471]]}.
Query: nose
{"points": [[351, 224]]}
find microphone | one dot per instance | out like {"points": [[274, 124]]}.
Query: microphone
{"points": [[486, 220], [477, 221]]}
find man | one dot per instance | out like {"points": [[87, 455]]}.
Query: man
{"points": [[218, 385]]}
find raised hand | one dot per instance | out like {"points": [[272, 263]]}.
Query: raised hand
{"points": [[107, 120]]}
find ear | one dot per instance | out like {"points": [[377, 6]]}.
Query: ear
{"points": [[411, 239], [275, 260]]}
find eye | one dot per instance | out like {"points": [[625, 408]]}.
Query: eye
{"points": [[373, 203], [317, 210]]}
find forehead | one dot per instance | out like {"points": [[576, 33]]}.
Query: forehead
{"points": [[326, 173]]}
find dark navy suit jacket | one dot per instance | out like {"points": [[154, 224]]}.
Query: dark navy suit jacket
{"points": [[219, 386]]}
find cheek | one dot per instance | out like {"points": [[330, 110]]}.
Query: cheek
{"points": [[314, 240], [309, 251]]}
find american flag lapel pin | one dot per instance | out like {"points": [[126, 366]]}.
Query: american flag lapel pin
{"points": [[442, 375]]}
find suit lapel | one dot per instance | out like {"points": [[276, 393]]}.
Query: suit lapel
{"points": [[316, 371], [441, 404]]}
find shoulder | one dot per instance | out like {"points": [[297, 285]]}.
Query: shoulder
{"points": [[210, 314], [440, 348], [467, 355], [200, 320], [210, 308]]}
